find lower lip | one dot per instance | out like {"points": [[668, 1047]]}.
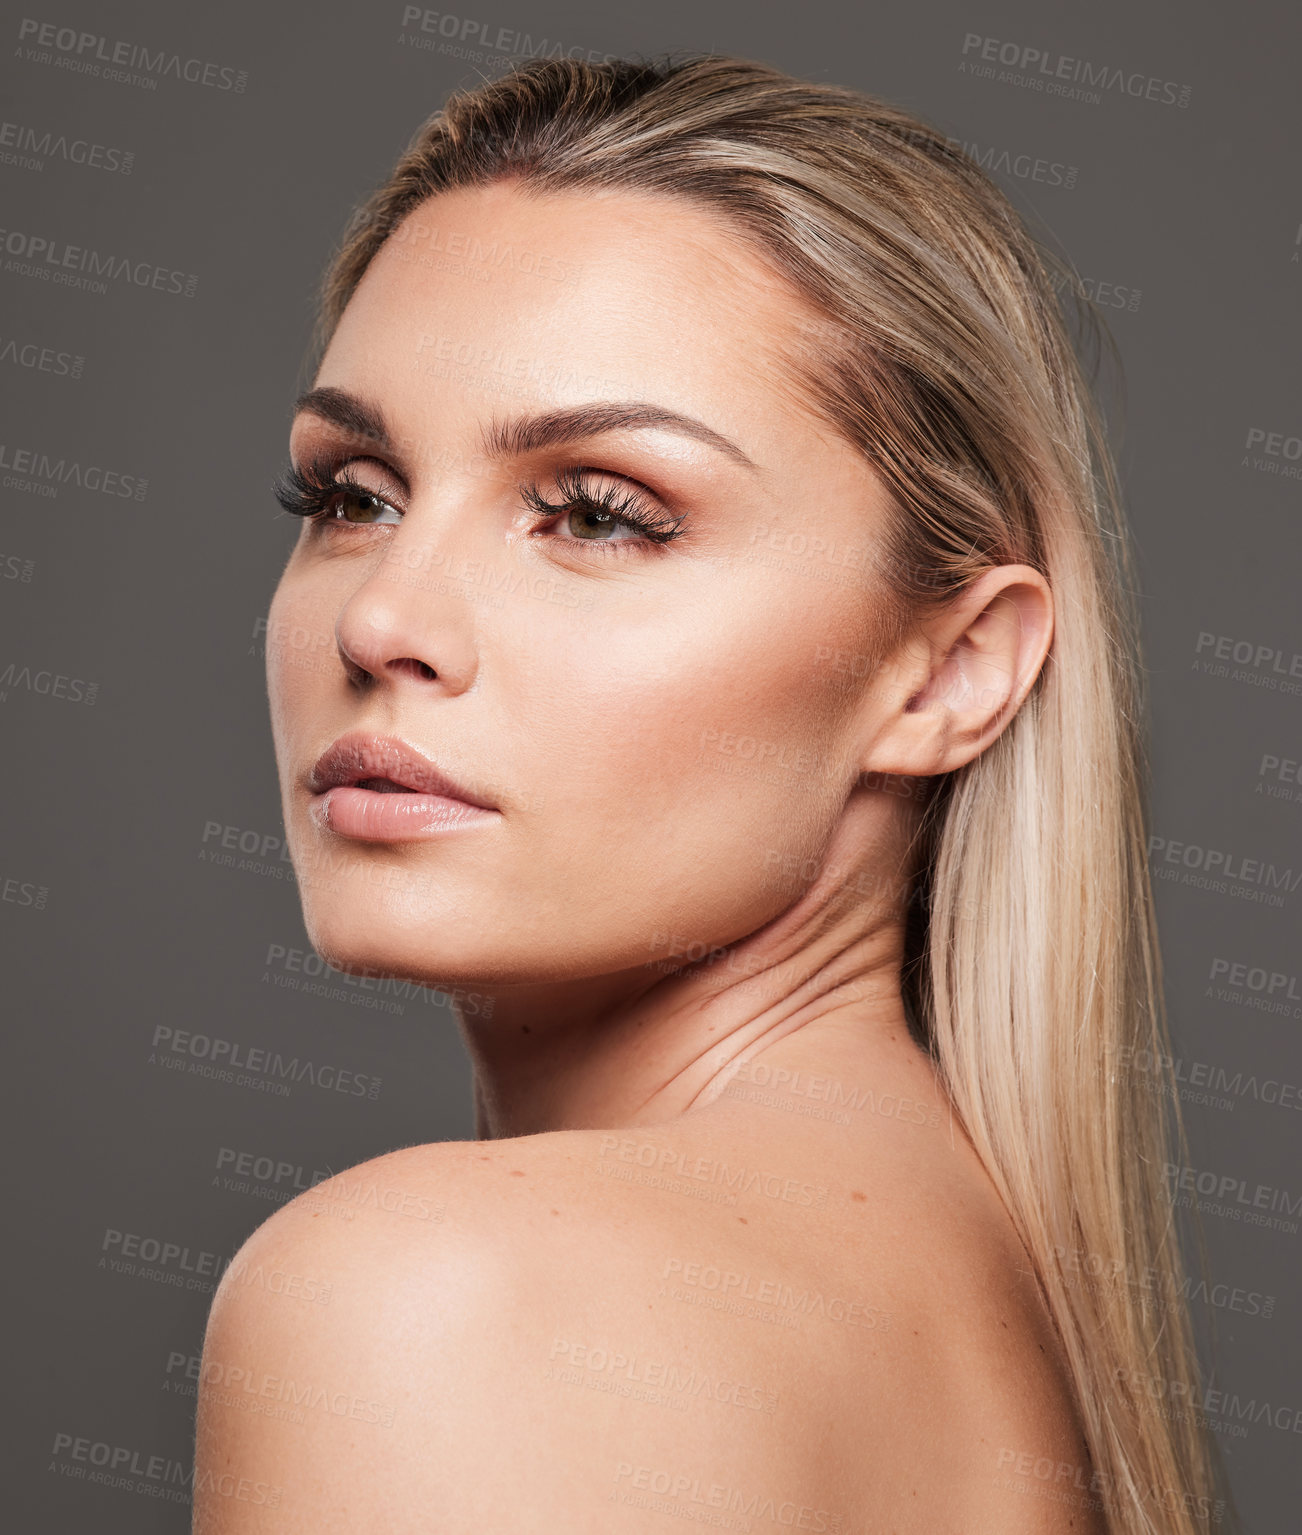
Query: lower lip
{"points": [[372, 817]]}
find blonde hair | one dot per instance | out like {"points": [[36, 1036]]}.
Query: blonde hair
{"points": [[942, 352]]}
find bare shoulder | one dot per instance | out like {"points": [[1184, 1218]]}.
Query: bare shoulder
{"points": [[590, 1331], [388, 1350]]}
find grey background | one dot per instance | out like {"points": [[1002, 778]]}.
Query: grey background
{"points": [[116, 924]]}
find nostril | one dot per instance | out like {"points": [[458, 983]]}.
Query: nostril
{"points": [[411, 664]]}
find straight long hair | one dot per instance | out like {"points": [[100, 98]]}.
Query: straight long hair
{"points": [[940, 348]]}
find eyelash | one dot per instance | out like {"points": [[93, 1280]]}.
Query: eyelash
{"points": [[621, 504], [311, 491]]}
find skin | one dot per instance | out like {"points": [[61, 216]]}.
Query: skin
{"points": [[600, 705]]}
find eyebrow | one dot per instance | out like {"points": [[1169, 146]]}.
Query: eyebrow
{"points": [[528, 434], [345, 410], [552, 428]]}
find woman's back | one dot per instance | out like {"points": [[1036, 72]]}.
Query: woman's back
{"points": [[745, 1317]]}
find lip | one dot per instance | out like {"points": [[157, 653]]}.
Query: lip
{"points": [[426, 801]]}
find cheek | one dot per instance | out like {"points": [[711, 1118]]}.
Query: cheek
{"points": [[690, 752], [302, 659], [728, 677]]}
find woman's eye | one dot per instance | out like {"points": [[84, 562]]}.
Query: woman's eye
{"points": [[592, 507], [590, 522], [360, 506]]}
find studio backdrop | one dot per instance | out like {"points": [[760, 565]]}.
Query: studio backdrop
{"points": [[179, 1061]]}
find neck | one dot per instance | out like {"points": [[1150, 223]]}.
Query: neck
{"points": [[815, 990]]}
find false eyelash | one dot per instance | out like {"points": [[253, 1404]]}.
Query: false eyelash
{"points": [[307, 492], [622, 505]]}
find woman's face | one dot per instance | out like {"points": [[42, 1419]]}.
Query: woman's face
{"points": [[665, 731]]}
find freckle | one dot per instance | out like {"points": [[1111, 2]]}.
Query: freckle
{"points": [[743, 1220], [556, 1212], [525, 1029], [855, 1194]]}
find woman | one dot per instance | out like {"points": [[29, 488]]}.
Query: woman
{"points": [[720, 677]]}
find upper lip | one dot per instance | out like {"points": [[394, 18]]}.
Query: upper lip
{"points": [[360, 755]]}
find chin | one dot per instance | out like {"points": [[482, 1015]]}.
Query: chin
{"points": [[389, 934]]}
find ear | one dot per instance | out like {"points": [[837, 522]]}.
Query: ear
{"points": [[960, 677]]}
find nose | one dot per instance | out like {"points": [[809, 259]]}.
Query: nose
{"points": [[405, 623]]}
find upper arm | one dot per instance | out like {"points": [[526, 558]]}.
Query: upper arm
{"points": [[513, 1360], [305, 1419]]}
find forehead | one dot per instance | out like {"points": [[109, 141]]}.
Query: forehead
{"points": [[555, 298]]}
